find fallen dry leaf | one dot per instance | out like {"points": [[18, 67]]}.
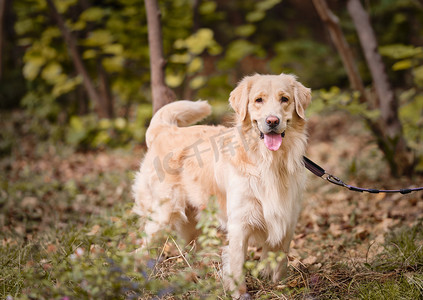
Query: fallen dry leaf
{"points": [[94, 230], [51, 248], [310, 260], [361, 232], [29, 202], [335, 230]]}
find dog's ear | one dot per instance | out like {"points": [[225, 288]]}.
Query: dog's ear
{"points": [[239, 97], [302, 98]]}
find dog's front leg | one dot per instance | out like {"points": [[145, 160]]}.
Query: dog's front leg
{"points": [[274, 270], [234, 257], [279, 268]]}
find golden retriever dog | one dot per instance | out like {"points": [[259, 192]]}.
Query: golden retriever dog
{"points": [[255, 169]]}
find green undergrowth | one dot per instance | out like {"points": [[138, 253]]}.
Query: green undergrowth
{"points": [[395, 273], [96, 261], [399, 269]]}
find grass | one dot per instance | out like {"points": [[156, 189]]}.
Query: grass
{"points": [[67, 232]]}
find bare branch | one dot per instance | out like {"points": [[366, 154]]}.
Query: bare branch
{"points": [[71, 44]]}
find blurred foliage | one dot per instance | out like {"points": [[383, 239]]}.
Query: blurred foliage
{"points": [[209, 46], [408, 58], [89, 132], [336, 99]]}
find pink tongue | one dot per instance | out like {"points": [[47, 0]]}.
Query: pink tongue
{"points": [[272, 141]]}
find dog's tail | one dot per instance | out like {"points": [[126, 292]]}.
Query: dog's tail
{"points": [[180, 113]]}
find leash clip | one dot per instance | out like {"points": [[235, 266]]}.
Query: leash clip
{"points": [[333, 179]]}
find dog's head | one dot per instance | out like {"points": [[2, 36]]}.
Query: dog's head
{"points": [[271, 104]]}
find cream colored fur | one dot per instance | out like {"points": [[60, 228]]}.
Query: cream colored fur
{"points": [[259, 191]]}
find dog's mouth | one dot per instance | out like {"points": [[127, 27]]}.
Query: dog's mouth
{"points": [[272, 140]]}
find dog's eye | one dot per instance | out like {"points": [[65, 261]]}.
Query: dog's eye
{"points": [[259, 100], [284, 99]]}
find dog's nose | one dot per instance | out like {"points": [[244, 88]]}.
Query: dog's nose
{"points": [[272, 121]]}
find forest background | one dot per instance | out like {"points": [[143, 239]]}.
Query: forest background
{"points": [[75, 102]]}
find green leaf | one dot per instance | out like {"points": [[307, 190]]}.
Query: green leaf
{"points": [[32, 67], [102, 138], [24, 26], [92, 14], [65, 85], [412, 120], [113, 64], [400, 51], [195, 65], [104, 124], [90, 53], [51, 72], [174, 78], [402, 65], [197, 82], [255, 16], [63, 5], [267, 4], [214, 48], [78, 25], [411, 112], [236, 51], [180, 58], [49, 34], [100, 37], [199, 41], [418, 75], [77, 131], [245, 30], [120, 123], [207, 7], [180, 44], [116, 49], [25, 42]]}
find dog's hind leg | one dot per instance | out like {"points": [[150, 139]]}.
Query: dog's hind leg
{"points": [[155, 223], [187, 228]]}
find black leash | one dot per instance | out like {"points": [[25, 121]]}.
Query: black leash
{"points": [[320, 172]]}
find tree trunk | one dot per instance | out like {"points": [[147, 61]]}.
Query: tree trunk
{"points": [[2, 32], [399, 157], [161, 93], [332, 23], [104, 88], [81, 100], [388, 131], [196, 15], [387, 102], [101, 106]]}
